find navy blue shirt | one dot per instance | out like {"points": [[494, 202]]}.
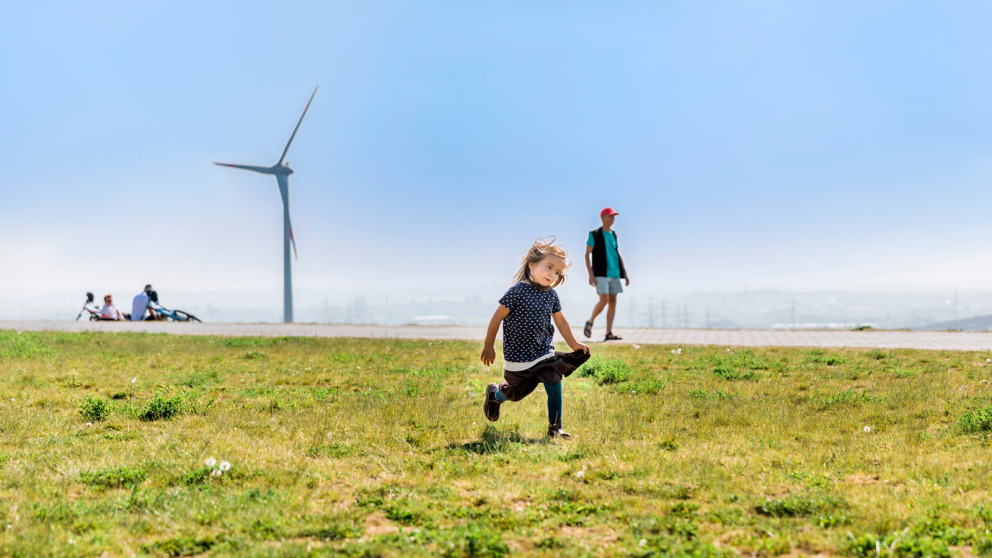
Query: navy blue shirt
{"points": [[527, 329]]}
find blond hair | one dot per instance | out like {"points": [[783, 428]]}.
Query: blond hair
{"points": [[538, 251]]}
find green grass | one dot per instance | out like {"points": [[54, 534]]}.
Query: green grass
{"points": [[357, 447]]}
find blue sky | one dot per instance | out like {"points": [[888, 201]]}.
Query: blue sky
{"points": [[773, 144]]}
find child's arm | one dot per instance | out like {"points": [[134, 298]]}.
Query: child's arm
{"points": [[489, 348], [566, 332]]}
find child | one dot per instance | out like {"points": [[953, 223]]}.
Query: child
{"points": [[526, 311], [109, 311]]}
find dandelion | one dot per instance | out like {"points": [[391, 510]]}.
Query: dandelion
{"points": [[988, 360], [867, 429], [89, 424], [211, 462], [636, 346], [216, 473], [134, 379], [643, 543], [224, 466], [580, 475]]}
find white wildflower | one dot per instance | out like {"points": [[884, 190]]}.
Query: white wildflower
{"points": [[636, 346], [643, 543], [580, 475], [867, 429], [224, 466], [211, 462], [216, 473], [134, 379], [89, 424]]}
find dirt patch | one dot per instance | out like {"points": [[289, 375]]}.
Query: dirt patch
{"points": [[798, 553], [603, 537], [377, 524], [861, 479]]}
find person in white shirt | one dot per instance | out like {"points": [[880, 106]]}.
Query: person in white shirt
{"points": [[140, 306], [109, 311]]}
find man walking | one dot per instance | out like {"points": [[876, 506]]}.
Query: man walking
{"points": [[606, 269]]}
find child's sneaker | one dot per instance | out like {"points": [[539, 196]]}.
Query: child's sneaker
{"points": [[491, 407], [555, 430]]}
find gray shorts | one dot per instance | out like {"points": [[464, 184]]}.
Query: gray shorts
{"points": [[608, 285]]}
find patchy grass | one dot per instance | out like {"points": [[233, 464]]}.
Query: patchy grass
{"points": [[209, 446]]}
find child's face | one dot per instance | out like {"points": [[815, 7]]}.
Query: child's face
{"points": [[547, 271]]}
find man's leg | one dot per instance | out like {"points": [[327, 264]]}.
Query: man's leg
{"points": [[599, 307], [611, 311]]}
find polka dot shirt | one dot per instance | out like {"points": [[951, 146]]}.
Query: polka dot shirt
{"points": [[527, 329]]}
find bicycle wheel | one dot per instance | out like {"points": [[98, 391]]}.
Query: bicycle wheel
{"points": [[185, 316]]}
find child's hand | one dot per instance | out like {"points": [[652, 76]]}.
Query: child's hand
{"points": [[489, 355], [577, 346]]}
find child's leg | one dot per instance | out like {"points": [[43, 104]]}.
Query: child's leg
{"points": [[554, 403]]}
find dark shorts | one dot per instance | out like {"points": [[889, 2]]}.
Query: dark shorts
{"points": [[519, 384]]}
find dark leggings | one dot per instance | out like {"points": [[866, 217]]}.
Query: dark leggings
{"points": [[554, 402]]}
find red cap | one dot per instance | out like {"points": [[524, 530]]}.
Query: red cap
{"points": [[608, 211]]}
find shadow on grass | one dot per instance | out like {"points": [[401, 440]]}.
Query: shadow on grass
{"points": [[494, 440]]}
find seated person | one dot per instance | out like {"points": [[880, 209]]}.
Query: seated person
{"points": [[140, 306], [109, 311]]}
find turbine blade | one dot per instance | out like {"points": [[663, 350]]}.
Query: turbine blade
{"points": [[300, 121], [292, 240], [263, 170], [283, 181]]}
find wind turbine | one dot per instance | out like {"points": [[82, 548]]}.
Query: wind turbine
{"points": [[282, 170]]}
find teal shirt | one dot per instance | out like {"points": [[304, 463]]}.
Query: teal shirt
{"points": [[612, 255]]}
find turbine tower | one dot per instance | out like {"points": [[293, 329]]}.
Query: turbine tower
{"points": [[282, 170]]}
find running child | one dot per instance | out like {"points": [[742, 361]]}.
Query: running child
{"points": [[526, 312]]}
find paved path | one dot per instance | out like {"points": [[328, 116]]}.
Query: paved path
{"points": [[953, 341]]}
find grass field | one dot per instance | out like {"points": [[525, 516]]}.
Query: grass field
{"points": [[361, 447]]}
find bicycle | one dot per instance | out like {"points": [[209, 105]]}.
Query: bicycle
{"points": [[95, 315], [169, 315]]}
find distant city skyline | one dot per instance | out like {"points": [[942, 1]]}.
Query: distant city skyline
{"points": [[836, 146]]}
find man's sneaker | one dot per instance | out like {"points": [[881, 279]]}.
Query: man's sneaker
{"points": [[555, 431], [491, 407]]}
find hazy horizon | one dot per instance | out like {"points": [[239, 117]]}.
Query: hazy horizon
{"points": [[782, 146]]}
